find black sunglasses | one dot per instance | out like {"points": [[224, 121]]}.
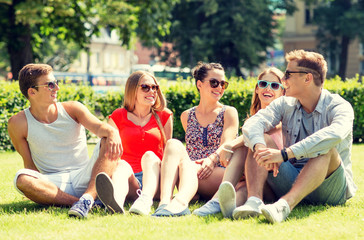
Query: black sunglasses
{"points": [[51, 85], [146, 87], [273, 85], [215, 83], [287, 73]]}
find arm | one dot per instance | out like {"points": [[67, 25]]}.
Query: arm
{"points": [[103, 130], [263, 121], [184, 117], [168, 128], [340, 125], [18, 130]]}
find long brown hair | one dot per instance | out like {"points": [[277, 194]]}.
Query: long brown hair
{"points": [[256, 105], [131, 88]]}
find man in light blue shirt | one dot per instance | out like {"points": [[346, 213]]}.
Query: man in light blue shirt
{"points": [[315, 165]]}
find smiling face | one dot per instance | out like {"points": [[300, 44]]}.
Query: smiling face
{"points": [[146, 98], [42, 92], [205, 87], [267, 95]]}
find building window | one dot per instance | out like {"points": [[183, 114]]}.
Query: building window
{"points": [[361, 57], [308, 15]]}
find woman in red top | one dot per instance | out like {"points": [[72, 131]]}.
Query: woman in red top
{"points": [[144, 124]]}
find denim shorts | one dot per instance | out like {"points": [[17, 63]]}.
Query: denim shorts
{"points": [[332, 191], [139, 177]]}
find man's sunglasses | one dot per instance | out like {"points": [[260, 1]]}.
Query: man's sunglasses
{"points": [[273, 85], [51, 85], [287, 73], [146, 88], [215, 83]]}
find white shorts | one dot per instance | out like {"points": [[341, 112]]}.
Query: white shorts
{"points": [[74, 183]]}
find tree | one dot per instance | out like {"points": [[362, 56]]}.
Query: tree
{"points": [[23, 21], [339, 22], [235, 33]]}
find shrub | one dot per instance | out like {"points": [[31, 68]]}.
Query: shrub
{"points": [[180, 95]]}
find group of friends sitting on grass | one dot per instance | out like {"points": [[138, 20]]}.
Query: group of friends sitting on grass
{"points": [[295, 146]]}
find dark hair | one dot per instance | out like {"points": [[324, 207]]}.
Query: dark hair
{"points": [[201, 70], [29, 74]]}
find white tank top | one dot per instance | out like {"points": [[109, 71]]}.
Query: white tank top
{"points": [[59, 146]]}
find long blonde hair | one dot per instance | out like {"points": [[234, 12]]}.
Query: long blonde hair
{"points": [[131, 88], [256, 105]]}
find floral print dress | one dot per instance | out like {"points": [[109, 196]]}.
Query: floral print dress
{"points": [[201, 142]]}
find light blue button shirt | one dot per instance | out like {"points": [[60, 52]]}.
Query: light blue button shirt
{"points": [[333, 128]]}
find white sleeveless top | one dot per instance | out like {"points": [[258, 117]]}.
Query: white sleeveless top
{"points": [[59, 146]]}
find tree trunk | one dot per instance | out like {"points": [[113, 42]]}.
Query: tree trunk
{"points": [[344, 57], [18, 44]]}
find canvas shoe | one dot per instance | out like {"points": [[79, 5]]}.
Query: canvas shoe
{"points": [[142, 205], [227, 199], [276, 212], [211, 207], [105, 192], [251, 208], [80, 208]]}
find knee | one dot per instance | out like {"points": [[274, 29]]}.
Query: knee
{"points": [[173, 146], [23, 181], [150, 158]]}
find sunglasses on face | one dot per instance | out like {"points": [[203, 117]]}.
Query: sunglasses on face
{"points": [[146, 88], [273, 85], [287, 73], [215, 83], [50, 85]]}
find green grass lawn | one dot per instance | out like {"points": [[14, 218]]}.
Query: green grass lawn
{"points": [[22, 219]]}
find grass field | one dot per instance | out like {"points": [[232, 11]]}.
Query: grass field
{"points": [[22, 219]]}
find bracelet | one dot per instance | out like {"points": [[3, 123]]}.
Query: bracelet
{"points": [[284, 155], [217, 157], [227, 150]]}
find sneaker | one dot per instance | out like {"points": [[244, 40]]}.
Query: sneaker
{"points": [[105, 192], [80, 208], [251, 208], [211, 207], [276, 212], [142, 205], [227, 199]]}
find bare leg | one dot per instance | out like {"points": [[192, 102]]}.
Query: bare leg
{"points": [[208, 187], [174, 153], [187, 187], [102, 164], [151, 170], [125, 183], [234, 171], [312, 176], [43, 192]]}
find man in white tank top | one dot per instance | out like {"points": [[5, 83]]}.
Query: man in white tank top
{"points": [[51, 139]]}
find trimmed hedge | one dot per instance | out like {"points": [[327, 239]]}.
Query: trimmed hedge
{"points": [[180, 95]]}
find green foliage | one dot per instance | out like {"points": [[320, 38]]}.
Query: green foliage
{"points": [[181, 95], [234, 33], [27, 26]]}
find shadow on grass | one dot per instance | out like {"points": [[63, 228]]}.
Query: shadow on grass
{"points": [[23, 207]]}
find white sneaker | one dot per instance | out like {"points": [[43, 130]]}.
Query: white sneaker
{"points": [[142, 205], [251, 208], [227, 199], [276, 212]]}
